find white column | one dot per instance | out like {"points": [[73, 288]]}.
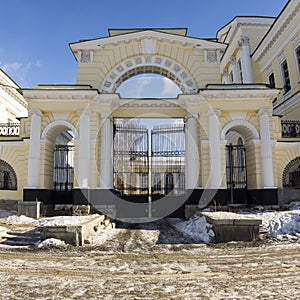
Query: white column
{"points": [[235, 73], [245, 55], [266, 149], [106, 163], [84, 148], [33, 180], [226, 77], [215, 178], [191, 152]]}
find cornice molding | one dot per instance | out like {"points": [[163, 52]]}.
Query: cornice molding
{"points": [[277, 30]]}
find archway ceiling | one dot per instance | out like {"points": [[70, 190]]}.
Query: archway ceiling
{"points": [[190, 62]]}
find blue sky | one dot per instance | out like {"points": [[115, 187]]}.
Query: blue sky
{"points": [[35, 34]]}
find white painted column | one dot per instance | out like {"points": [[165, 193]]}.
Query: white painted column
{"points": [[215, 178], [84, 148], [226, 77], [191, 152], [33, 180], [266, 149], [245, 55], [106, 162], [235, 72]]}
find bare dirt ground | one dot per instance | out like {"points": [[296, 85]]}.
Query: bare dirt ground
{"points": [[153, 261]]}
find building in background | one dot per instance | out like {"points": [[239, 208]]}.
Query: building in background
{"points": [[231, 137], [12, 103]]}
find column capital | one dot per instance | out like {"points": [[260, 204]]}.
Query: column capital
{"points": [[35, 112], [83, 112], [232, 60], [214, 112], [190, 115], [265, 111], [244, 41]]}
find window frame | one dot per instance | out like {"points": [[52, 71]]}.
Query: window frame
{"points": [[240, 70], [297, 59], [286, 84], [269, 81]]}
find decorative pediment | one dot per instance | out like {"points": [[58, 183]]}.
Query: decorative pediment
{"points": [[148, 40]]}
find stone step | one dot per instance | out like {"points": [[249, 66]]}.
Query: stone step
{"points": [[21, 237], [13, 242]]}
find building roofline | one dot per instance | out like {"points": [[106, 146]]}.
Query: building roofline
{"points": [[245, 17], [272, 26]]}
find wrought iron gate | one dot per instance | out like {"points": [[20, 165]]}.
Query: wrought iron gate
{"points": [[167, 159], [144, 166], [131, 159], [236, 167], [63, 173], [236, 173]]}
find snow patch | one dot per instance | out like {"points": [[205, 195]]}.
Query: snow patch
{"points": [[51, 221], [281, 225], [197, 228], [52, 242]]}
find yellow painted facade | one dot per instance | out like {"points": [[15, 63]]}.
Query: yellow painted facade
{"points": [[225, 90]]}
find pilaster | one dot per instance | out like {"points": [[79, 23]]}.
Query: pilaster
{"points": [[191, 151], [266, 149]]}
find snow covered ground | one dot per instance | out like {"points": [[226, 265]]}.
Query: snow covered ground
{"points": [[277, 225], [166, 259]]}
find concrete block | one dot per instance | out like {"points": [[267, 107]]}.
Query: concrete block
{"points": [[233, 227], [74, 234], [29, 209]]}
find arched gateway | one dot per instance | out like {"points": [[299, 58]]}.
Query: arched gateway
{"points": [[118, 160]]}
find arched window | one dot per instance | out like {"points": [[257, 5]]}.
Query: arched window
{"points": [[8, 177], [291, 174]]}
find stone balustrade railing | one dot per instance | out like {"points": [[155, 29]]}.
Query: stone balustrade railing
{"points": [[290, 129], [9, 129]]}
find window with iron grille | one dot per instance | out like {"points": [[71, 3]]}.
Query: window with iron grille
{"points": [[240, 71], [285, 77], [272, 80], [291, 174], [8, 177], [298, 59]]}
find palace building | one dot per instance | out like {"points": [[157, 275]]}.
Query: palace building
{"points": [[232, 136]]}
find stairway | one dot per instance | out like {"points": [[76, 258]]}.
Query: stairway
{"points": [[21, 236]]}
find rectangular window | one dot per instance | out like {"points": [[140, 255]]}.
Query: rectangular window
{"points": [[285, 77], [272, 80], [298, 59], [240, 71]]}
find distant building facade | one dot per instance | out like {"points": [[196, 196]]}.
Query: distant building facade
{"points": [[236, 137]]}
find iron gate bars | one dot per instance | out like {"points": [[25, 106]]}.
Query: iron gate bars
{"points": [[139, 171], [236, 167], [131, 159], [63, 173], [168, 159]]}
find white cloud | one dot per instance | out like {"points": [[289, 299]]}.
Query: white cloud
{"points": [[20, 71], [170, 88], [11, 67], [148, 86]]}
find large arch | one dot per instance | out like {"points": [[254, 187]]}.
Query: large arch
{"points": [[249, 134], [244, 128], [291, 174], [149, 64], [50, 138], [53, 129], [8, 176]]}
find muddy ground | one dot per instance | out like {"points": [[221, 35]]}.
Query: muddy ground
{"points": [[153, 261]]}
